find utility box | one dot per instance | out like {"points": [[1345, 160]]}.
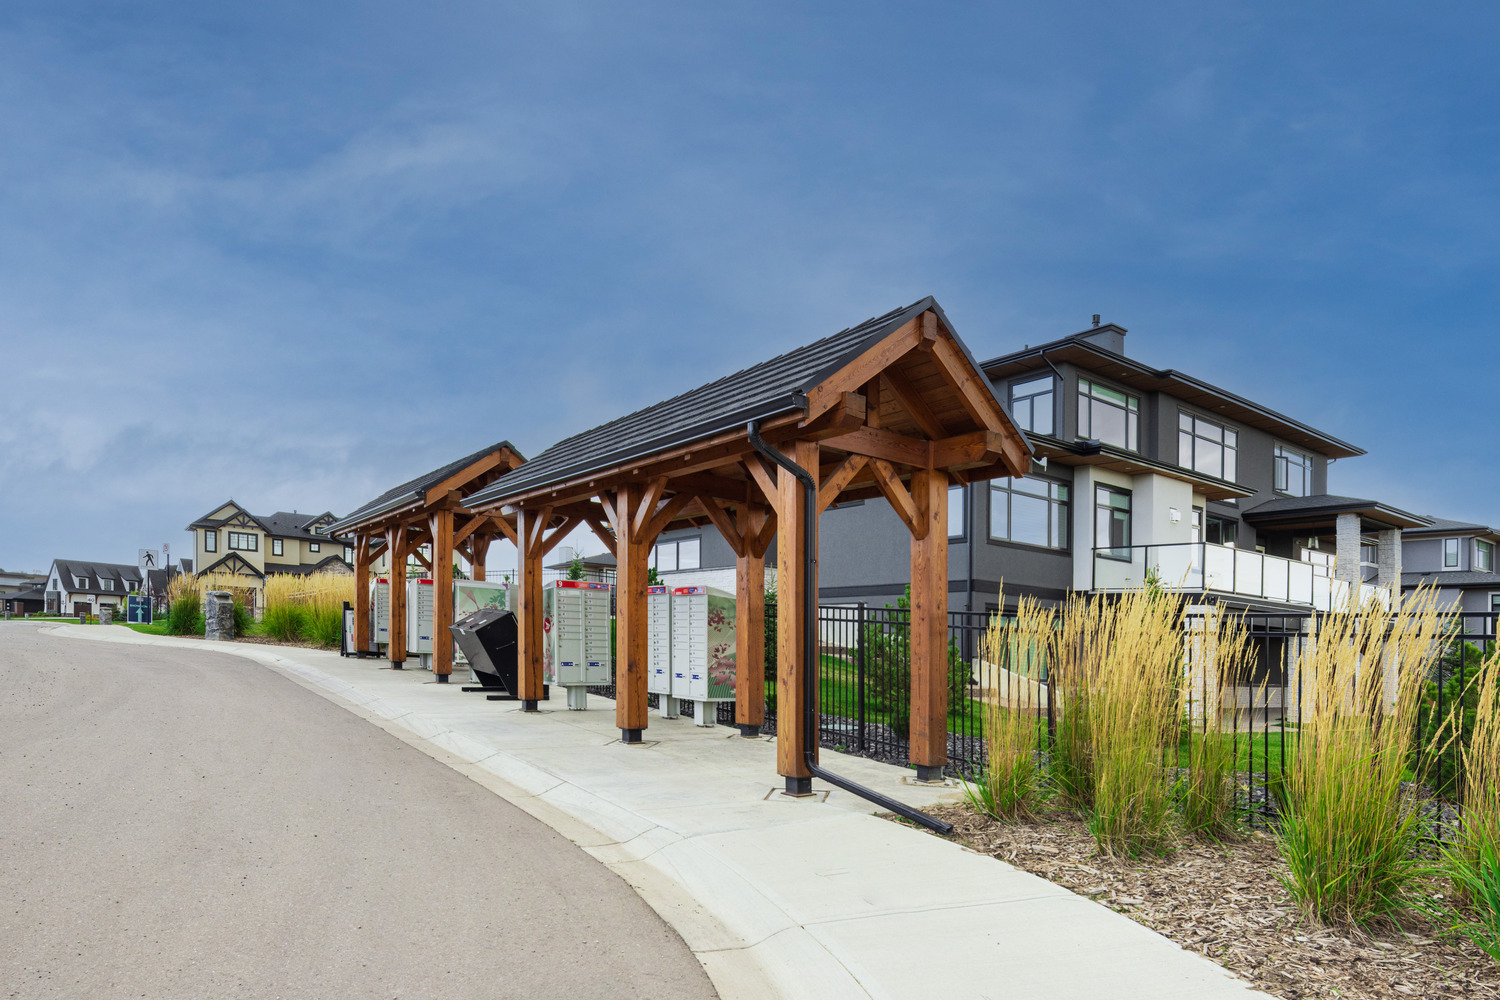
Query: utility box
{"points": [[470, 596], [659, 649], [703, 649], [380, 612], [419, 607], [576, 647]]}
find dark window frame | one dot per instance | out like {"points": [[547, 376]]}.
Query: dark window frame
{"points": [[1281, 469], [1191, 436], [253, 538], [210, 540], [1028, 423], [1059, 501], [1112, 550], [1086, 401], [1454, 545], [277, 548]]}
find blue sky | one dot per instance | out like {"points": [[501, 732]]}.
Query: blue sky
{"points": [[296, 253]]}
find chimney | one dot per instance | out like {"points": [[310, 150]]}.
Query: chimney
{"points": [[1107, 336]]}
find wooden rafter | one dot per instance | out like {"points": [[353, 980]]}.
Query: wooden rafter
{"points": [[763, 477], [720, 517], [847, 413], [872, 362], [901, 501], [666, 513], [977, 398], [651, 498], [911, 399], [833, 484]]}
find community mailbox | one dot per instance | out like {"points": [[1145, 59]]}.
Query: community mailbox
{"points": [[575, 648], [703, 649], [138, 609], [380, 612], [419, 608], [470, 596], [659, 649]]}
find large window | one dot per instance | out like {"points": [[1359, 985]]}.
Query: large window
{"points": [[243, 540], [1031, 404], [668, 557], [1112, 522], [956, 523], [1484, 557], [1293, 472], [1207, 447], [1029, 511], [1450, 553], [210, 541], [1221, 530], [1108, 416]]}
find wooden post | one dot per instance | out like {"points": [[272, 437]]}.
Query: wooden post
{"points": [[441, 525], [530, 528], [395, 544], [750, 626], [791, 588], [479, 550], [632, 548], [929, 626], [362, 593]]}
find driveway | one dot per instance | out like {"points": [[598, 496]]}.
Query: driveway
{"points": [[185, 824]]}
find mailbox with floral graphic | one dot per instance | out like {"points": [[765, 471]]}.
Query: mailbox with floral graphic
{"points": [[703, 646]]}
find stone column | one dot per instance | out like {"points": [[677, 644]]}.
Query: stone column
{"points": [[1389, 561], [1346, 549], [218, 615]]}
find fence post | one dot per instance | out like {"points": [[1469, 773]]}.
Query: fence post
{"points": [[859, 666]]}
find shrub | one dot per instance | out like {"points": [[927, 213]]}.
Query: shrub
{"points": [[185, 607], [1349, 834], [1133, 717], [307, 608], [1011, 786], [243, 619], [1220, 658], [284, 621], [1472, 861]]}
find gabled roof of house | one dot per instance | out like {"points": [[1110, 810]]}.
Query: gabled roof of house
{"points": [[416, 489], [1452, 578], [69, 570], [1078, 349], [235, 564], [603, 560], [1443, 526], [770, 389], [288, 569], [284, 524], [1322, 507]]}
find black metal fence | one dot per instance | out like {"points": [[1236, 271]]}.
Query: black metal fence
{"points": [[865, 693]]}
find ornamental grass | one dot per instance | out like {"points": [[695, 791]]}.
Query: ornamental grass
{"points": [[1350, 833], [307, 608], [1472, 861], [1015, 654]]}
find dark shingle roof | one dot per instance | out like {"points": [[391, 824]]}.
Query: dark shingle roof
{"points": [[1452, 578], [1443, 526], [769, 389], [1327, 503], [288, 525], [280, 569], [400, 496], [70, 569]]}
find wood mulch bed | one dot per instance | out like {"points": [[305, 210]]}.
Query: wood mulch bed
{"points": [[1225, 902]]}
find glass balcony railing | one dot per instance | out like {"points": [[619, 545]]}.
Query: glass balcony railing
{"points": [[1204, 567]]}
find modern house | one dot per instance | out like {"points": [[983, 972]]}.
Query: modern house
{"points": [[12, 582], [76, 587], [250, 547], [1457, 558], [1140, 473]]}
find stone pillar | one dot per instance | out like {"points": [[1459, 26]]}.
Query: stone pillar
{"points": [[1388, 561], [1346, 550], [218, 615]]}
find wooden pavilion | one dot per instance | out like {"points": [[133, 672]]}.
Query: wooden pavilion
{"points": [[894, 407], [428, 510]]}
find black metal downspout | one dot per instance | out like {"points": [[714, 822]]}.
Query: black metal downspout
{"points": [[810, 658]]}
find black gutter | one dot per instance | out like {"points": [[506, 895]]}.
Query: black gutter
{"points": [[810, 659]]}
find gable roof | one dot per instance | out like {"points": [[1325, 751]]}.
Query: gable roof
{"points": [[69, 570], [1452, 578], [1080, 349], [770, 389], [414, 490], [283, 524], [1443, 526]]}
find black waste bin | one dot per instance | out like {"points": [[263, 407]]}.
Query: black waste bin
{"points": [[489, 640]]}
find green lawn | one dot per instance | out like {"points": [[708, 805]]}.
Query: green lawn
{"points": [[155, 628]]}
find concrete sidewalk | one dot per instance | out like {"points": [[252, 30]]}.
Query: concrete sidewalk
{"points": [[792, 898]]}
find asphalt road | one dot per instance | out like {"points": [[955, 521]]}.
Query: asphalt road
{"points": [[184, 824]]}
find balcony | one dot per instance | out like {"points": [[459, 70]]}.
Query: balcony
{"points": [[1204, 567]]}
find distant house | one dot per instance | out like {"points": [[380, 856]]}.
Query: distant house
{"points": [[24, 602], [1457, 558], [12, 582], [250, 547], [76, 587]]}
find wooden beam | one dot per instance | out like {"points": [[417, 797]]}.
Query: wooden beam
{"points": [[766, 533], [973, 392], [749, 627], [875, 443], [421, 558], [631, 650], [846, 414], [530, 528], [733, 534], [479, 551], [601, 531], [929, 339], [929, 626], [976, 448], [395, 649], [872, 402], [911, 399], [835, 482], [901, 501], [362, 594], [463, 477], [664, 516], [824, 396], [473, 524], [762, 476], [655, 491], [559, 533]]}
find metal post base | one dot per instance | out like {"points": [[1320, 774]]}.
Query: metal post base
{"points": [[630, 736], [443, 678], [578, 699], [799, 786], [397, 664], [667, 706], [750, 731], [528, 706], [929, 772], [705, 713]]}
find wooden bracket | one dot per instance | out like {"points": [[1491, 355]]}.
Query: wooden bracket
{"points": [[845, 415], [720, 517], [901, 501], [764, 478], [835, 482], [665, 515]]}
